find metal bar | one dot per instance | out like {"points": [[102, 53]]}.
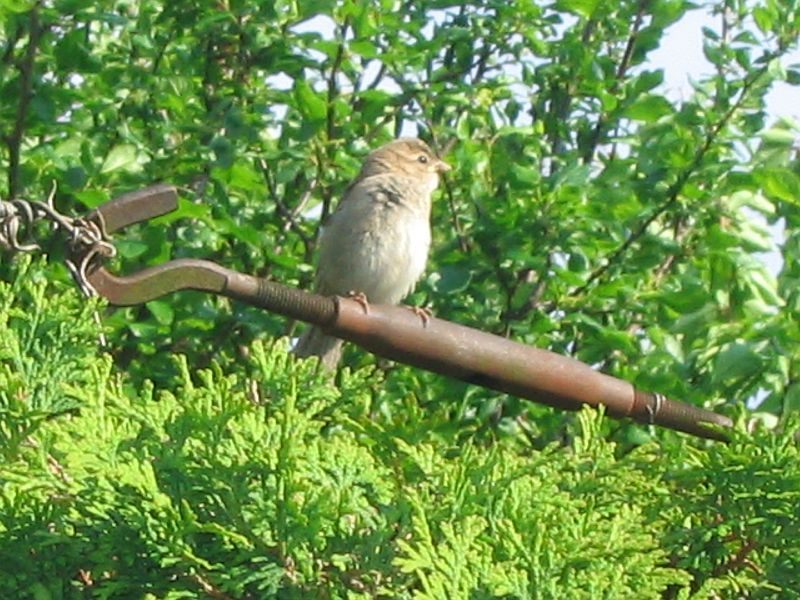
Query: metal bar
{"points": [[398, 333], [137, 206], [497, 363]]}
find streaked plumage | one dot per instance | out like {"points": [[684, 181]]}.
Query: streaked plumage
{"points": [[376, 242]]}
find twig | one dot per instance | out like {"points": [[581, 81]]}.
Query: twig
{"points": [[482, 64], [463, 242], [739, 559], [212, 591], [333, 88], [325, 190], [14, 139], [533, 301], [300, 207], [161, 51], [622, 69], [378, 77], [290, 215]]}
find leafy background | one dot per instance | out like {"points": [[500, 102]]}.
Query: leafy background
{"points": [[587, 213]]}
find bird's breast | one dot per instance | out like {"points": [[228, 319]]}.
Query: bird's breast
{"points": [[376, 244]]}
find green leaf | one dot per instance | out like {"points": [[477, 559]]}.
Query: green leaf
{"points": [[244, 177], [781, 183], [776, 69], [576, 175], [648, 108], [130, 248], [311, 104], [214, 18], [224, 151], [524, 177], [582, 8], [754, 200], [577, 262], [779, 137], [765, 286], [454, 278], [763, 18], [121, 157], [92, 198], [16, 6], [364, 48], [699, 320], [756, 238], [713, 53], [143, 330], [736, 362], [791, 400], [162, 311]]}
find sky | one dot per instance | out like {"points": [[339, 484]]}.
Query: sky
{"points": [[681, 57]]}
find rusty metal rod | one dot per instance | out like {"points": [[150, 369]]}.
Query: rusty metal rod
{"points": [[440, 346], [399, 334], [497, 363]]}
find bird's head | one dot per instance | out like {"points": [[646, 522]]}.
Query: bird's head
{"points": [[410, 157]]}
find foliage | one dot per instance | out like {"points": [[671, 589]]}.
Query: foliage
{"points": [[587, 213], [270, 481]]}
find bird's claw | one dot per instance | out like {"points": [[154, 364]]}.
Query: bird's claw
{"points": [[423, 313], [361, 298]]}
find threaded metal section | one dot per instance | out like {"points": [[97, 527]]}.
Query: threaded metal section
{"points": [[658, 410], [312, 308]]}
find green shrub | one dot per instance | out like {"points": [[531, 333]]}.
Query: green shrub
{"points": [[266, 480]]}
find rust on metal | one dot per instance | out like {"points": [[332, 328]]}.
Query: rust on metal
{"points": [[396, 332], [188, 273], [491, 361], [138, 206]]}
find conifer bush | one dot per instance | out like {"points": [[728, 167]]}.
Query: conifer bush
{"points": [[264, 479]]}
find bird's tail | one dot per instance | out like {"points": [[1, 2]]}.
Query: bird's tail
{"points": [[315, 343]]}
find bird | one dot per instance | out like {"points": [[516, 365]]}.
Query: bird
{"points": [[374, 246]]}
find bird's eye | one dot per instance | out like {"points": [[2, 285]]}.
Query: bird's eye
{"points": [[422, 158]]}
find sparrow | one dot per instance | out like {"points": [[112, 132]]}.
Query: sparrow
{"points": [[375, 245]]}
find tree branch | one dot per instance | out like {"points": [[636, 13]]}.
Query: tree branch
{"points": [[738, 560], [333, 88], [622, 69], [533, 301], [26, 68]]}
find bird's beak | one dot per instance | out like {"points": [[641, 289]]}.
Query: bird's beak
{"points": [[441, 167]]}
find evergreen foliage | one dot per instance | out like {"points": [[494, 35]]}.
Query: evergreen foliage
{"points": [[266, 480]]}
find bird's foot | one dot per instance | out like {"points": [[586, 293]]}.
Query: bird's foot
{"points": [[361, 298], [423, 312]]}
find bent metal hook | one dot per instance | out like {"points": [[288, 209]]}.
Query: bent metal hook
{"points": [[395, 332]]}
